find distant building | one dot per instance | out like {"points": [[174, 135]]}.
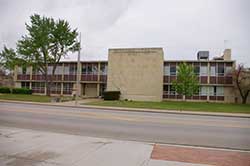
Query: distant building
{"points": [[140, 74]]}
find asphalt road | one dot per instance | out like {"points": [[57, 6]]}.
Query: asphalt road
{"points": [[207, 131]]}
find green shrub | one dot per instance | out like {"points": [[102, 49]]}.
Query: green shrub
{"points": [[21, 91], [4, 90], [111, 95]]}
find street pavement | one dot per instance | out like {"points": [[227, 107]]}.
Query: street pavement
{"points": [[42, 135], [23, 147], [206, 131]]}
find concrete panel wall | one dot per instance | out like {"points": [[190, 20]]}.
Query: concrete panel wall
{"points": [[137, 73], [91, 90], [229, 93]]}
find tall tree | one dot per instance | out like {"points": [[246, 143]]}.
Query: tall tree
{"points": [[46, 42], [242, 81], [186, 83], [9, 59]]}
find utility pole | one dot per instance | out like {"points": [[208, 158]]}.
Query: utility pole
{"points": [[78, 76]]}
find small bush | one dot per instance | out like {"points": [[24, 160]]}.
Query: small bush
{"points": [[111, 95], [21, 91], [4, 90]]}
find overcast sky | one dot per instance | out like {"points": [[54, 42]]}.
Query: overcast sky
{"points": [[181, 27]]}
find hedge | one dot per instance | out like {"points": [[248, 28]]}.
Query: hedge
{"points": [[4, 90], [111, 95], [21, 91]]}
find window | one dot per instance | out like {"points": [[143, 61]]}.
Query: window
{"points": [[84, 69], [67, 88], [165, 89], [104, 68], [19, 70], [24, 70], [56, 87], [172, 90], [197, 70], [228, 70], [50, 69], [72, 69], [203, 71], [36, 71], [212, 70], [212, 91], [166, 70], [219, 91], [216, 91], [38, 86], [172, 70], [25, 85], [220, 70], [66, 70], [58, 70], [204, 91], [94, 69], [89, 68]]}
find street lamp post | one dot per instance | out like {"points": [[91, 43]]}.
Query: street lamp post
{"points": [[78, 76]]}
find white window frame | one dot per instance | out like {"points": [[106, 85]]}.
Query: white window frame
{"points": [[167, 70], [203, 71]]}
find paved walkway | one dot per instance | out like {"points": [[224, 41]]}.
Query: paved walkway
{"points": [[22, 147]]}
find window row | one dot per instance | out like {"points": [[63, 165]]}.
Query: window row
{"points": [[203, 90], [39, 87], [219, 70], [68, 69]]}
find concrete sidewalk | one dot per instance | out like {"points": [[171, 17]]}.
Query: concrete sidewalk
{"points": [[21, 147], [82, 104]]}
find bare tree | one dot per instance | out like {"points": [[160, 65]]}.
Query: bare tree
{"points": [[242, 81]]}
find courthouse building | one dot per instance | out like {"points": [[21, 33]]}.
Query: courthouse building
{"points": [[139, 74]]}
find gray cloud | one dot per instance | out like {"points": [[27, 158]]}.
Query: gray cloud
{"points": [[181, 27]]}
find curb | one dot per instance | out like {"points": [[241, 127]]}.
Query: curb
{"points": [[124, 109]]}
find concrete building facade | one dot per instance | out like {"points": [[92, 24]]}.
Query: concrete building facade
{"points": [[140, 74], [130, 72]]}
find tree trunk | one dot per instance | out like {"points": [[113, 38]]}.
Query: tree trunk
{"points": [[47, 92], [244, 100], [244, 97]]}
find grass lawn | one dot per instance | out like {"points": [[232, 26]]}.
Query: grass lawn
{"points": [[21, 97], [178, 105]]}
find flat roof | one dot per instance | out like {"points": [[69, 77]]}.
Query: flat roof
{"points": [[104, 61]]}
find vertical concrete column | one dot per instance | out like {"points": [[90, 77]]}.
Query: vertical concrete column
{"points": [[62, 79], [98, 79], [45, 89], [62, 72], [15, 73], [61, 89], [15, 76], [208, 80], [79, 75], [31, 71]]}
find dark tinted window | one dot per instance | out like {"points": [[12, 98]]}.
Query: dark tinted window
{"points": [[172, 70]]}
